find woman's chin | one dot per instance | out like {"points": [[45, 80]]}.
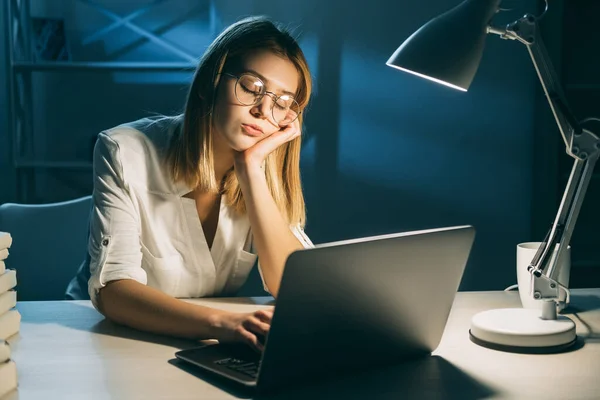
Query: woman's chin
{"points": [[242, 143]]}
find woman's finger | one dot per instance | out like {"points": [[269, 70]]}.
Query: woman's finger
{"points": [[264, 316], [298, 129], [272, 142], [255, 325], [287, 134], [252, 340]]}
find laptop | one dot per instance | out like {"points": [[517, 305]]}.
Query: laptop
{"points": [[348, 306]]}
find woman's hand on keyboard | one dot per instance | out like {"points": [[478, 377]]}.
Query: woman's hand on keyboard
{"points": [[249, 328]]}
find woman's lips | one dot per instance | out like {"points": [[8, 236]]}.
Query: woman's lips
{"points": [[252, 130]]}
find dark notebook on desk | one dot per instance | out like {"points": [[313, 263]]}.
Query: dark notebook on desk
{"points": [[351, 305]]}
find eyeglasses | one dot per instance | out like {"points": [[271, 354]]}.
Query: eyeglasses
{"points": [[250, 90]]}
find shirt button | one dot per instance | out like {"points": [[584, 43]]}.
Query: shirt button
{"points": [[105, 242]]}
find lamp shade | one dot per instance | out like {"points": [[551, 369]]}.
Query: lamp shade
{"points": [[448, 48]]}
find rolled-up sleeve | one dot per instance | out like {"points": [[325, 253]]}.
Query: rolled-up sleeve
{"points": [[302, 237], [114, 244]]}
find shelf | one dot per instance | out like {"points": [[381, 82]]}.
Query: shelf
{"points": [[105, 66], [54, 164]]}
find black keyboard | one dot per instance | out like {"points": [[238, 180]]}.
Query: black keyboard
{"points": [[246, 367]]}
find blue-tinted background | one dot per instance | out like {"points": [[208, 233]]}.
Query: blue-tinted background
{"points": [[385, 151]]}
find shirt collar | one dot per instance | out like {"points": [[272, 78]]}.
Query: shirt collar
{"points": [[182, 188]]}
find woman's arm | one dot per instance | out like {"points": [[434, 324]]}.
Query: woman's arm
{"points": [[273, 239], [142, 307]]}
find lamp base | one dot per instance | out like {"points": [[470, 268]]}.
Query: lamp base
{"points": [[520, 330]]}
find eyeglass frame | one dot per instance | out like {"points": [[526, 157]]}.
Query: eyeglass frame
{"points": [[273, 96]]}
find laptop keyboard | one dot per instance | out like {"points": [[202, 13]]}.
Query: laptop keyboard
{"points": [[246, 367]]}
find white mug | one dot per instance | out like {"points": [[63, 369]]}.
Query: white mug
{"points": [[525, 254]]}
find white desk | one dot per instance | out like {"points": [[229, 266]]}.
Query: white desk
{"points": [[66, 350]]}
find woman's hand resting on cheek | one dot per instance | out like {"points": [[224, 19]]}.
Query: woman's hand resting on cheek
{"points": [[253, 157], [249, 328]]}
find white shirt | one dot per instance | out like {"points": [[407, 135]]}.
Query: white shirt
{"points": [[142, 227]]}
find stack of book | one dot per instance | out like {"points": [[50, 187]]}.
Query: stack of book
{"points": [[10, 319], [8, 370]]}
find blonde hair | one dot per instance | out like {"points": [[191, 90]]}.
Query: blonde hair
{"points": [[190, 155]]}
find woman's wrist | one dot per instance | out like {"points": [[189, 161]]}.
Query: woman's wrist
{"points": [[244, 164], [216, 324], [249, 172]]}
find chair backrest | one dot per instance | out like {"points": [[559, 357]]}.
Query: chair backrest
{"points": [[49, 243]]}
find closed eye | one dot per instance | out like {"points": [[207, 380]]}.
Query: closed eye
{"points": [[245, 89]]}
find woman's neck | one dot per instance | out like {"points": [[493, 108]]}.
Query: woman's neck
{"points": [[222, 157]]}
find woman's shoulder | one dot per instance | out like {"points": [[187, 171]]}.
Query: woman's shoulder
{"points": [[140, 148], [144, 134]]}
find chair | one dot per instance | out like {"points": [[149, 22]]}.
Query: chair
{"points": [[49, 243]]}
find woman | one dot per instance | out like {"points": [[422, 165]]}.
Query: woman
{"points": [[179, 202]]}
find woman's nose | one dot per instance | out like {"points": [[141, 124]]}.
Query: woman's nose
{"points": [[261, 109]]}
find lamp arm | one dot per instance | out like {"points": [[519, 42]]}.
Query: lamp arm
{"points": [[581, 144]]}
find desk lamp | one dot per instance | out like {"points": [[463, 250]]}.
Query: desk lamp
{"points": [[448, 50]]}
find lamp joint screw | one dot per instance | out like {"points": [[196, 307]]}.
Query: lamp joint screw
{"points": [[537, 295], [583, 155], [575, 150], [553, 286]]}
